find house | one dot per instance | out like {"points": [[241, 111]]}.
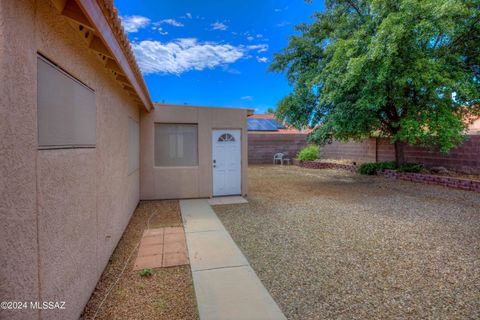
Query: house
{"points": [[267, 136], [82, 143], [215, 166], [474, 127]]}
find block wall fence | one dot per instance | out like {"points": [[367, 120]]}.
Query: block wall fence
{"points": [[262, 147], [373, 150]]}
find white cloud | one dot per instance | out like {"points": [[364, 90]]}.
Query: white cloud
{"points": [[171, 22], [231, 70], [189, 15], [280, 9], [219, 26], [132, 24], [248, 98], [250, 38], [262, 59], [259, 35], [259, 47], [183, 55], [283, 24], [160, 30]]}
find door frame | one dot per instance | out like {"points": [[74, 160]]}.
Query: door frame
{"points": [[241, 158]]}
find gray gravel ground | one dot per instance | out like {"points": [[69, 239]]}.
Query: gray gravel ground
{"points": [[335, 245]]}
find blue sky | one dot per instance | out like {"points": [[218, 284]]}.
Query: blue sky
{"points": [[213, 53]]}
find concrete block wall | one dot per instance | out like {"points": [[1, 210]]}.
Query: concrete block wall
{"points": [[262, 146], [465, 156], [363, 151]]}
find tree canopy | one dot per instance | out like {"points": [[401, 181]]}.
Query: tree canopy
{"points": [[404, 69]]}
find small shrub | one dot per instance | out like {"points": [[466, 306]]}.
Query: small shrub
{"points": [[309, 153], [387, 165], [410, 167], [372, 168], [367, 168], [147, 272]]}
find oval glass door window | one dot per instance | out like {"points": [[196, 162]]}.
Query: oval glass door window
{"points": [[226, 137]]}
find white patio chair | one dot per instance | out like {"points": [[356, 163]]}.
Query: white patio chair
{"points": [[278, 157]]}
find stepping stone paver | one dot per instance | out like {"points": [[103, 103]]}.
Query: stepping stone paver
{"points": [[150, 250], [162, 247], [148, 262], [175, 259]]}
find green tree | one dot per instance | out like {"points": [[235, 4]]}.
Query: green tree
{"points": [[270, 110], [404, 69]]}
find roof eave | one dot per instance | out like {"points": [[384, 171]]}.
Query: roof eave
{"points": [[103, 20]]}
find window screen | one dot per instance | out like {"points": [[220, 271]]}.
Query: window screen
{"points": [[176, 145], [133, 145], [66, 111]]}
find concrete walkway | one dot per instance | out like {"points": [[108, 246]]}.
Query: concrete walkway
{"points": [[226, 286]]}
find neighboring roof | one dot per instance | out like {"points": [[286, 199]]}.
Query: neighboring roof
{"points": [[247, 111], [263, 116], [100, 26], [267, 123], [259, 124]]}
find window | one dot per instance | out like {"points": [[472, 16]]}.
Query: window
{"points": [[133, 145], [176, 145], [226, 137], [66, 111]]}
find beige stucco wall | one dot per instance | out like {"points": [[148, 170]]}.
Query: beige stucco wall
{"points": [[62, 212], [187, 182], [474, 128]]}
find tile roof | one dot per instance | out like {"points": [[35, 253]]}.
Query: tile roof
{"points": [[113, 19]]}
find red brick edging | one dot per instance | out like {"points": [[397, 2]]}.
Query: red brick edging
{"points": [[450, 182], [324, 165]]}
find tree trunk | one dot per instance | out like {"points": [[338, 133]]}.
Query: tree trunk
{"points": [[399, 153]]}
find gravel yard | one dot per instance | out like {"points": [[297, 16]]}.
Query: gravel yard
{"points": [[335, 245], [167, 294]]}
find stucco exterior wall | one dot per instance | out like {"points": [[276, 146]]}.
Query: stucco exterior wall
{"points": [[474, 128], [18, 132], [187, 182], [62, 211]]}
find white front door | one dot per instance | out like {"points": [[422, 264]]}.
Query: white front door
{"points": [[226, 162]]}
